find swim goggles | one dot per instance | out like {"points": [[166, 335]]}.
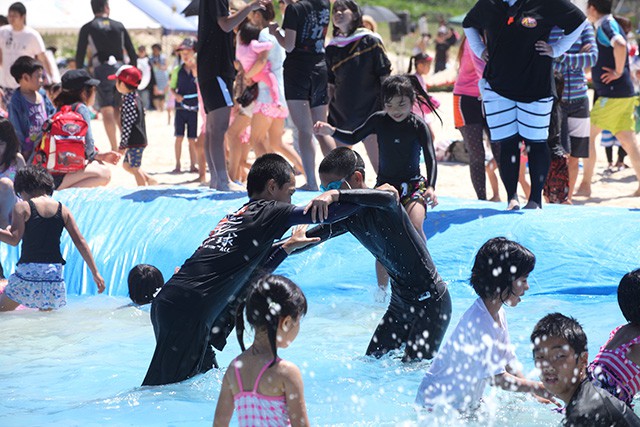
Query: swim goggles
{"points": [[335, 185]]}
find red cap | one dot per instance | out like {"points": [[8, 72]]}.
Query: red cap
{"points": [[127, 74]]}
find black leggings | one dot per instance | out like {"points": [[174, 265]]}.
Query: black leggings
{"points": [[539, 162], [420, 326], [473, 140]]}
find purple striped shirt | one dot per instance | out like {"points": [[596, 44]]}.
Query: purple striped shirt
{"points": [[573, 62]]}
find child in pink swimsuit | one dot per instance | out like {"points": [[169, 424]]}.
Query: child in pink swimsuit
{"points": [[274, 307], [248, 50], [616, 368]]}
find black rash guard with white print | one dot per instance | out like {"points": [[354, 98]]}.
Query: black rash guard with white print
{"points": [[196, 306]]}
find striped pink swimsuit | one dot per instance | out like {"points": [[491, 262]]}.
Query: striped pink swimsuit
{"points": [[612, 371], [255, 409]]}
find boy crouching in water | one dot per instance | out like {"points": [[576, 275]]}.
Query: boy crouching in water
{"points": [[560, 353], [134, 133]]}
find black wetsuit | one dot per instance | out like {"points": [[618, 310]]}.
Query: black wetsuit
{"points": [[592, 406], [196, 307], [420, 307], [399, 144]]}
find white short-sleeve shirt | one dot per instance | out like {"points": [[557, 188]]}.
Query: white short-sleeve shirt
{"points": [[478, 349], [15, 44]]}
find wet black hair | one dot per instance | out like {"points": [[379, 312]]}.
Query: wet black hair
{"points": [[342, 161], [98, 6], [407, 85], [419, 57], [556, 325], [357, 15], [270, 299], [19, 8], [248, 32], [4, 20], [266, 167], [25, 65], [144, 282], [629, 296], [498, 263], [9, 136], [34, 180]]}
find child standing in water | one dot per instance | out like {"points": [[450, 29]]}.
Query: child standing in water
{"points": [[616, 367], [38, 221], [264, 389], [479, 351]]}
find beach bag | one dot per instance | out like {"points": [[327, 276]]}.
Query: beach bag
{"points": [[248, 95], [62, 148]]}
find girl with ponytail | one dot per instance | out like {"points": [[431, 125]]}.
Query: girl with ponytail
{"points": [[262, 388]]}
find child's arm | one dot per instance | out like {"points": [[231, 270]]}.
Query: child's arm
{"points": [[429, 154], [129, 117], [20, 163], [19, 217], [257, 66], [224, 408], [518, 383], [83, 247], [346, 137], [294, 395]]}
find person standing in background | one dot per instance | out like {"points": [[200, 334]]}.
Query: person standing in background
{"points": [[105, 40], [16, 40]]}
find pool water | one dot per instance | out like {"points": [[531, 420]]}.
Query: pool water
{"points": [[83, 364]]}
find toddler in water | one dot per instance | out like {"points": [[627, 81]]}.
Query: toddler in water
{"points": [[250, 51], [616, 367], [479, 351], [38, 221], [144, 283], [264, 389]]}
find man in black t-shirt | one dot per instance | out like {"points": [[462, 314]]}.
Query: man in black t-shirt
{"points": [[196, 308], [215, 78], [518, 89], [105, 38]]}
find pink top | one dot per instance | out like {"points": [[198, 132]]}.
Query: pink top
{"points": [[255, 409], [620, 371], [470, 72], [248, 53]]}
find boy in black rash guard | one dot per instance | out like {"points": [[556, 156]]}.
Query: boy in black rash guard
{"points": [[420, 307], [196, 308], [560, 353]]}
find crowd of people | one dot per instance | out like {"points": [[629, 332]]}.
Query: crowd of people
{"points": [[242, 79]]}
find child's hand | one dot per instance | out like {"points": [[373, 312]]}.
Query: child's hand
{"points": [[99, 282], [298, 239], [543, 396], [391, 188], [430, 197], [322, 128], [319, 206]]}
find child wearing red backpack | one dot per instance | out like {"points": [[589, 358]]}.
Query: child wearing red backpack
{"points": [[134, 133], [79, 92]]}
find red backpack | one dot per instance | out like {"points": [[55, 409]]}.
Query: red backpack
{"points": [[62, 149]]}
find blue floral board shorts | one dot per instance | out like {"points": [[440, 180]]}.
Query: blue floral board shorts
{"points": [[133, 156], [36, 285]]}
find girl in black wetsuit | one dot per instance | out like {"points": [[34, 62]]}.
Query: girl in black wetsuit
{"points": [[401, 136]]}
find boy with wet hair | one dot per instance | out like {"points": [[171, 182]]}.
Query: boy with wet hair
{"points": [[560, 352], [144, 281]]}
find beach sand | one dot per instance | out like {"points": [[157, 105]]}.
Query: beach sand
{"points": [[453, 179]]}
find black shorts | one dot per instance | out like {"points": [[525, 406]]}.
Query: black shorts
{"points": [[188, 119], [467, 110], [216, 93], [304, 83], [575, 129], [106, 95]]}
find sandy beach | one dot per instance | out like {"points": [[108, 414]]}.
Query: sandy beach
{"points": [[453, 178]]}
